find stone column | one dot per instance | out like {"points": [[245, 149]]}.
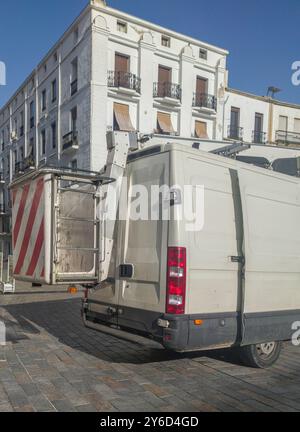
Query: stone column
{"points": [[187, 83], [98, 92], [146, 111]]}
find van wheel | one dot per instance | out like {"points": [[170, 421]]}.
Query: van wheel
{"points": [[261, 355]]}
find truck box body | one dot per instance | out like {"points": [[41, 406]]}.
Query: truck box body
{"points": [[54, 228]]}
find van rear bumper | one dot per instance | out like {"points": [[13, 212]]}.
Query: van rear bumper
{"points": [[175, 333]]}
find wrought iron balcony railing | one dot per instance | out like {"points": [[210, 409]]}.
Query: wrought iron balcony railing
{"points": [[287, 137], [235, 132], [124, 79], [259, 137], [70, 140], [204, 100], [24, 165], [167, 89]]}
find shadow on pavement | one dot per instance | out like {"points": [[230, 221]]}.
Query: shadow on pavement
{"points": [[61, 319]]}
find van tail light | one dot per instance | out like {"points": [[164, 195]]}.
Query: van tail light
{"points": [[176, 280]]}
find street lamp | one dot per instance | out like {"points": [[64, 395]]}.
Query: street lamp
{"points": [[272, 91]]}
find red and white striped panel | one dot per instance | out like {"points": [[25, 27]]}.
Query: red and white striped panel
{"points": [[28, 230]]}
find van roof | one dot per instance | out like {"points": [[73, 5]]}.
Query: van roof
{"points": [[204, 154]]}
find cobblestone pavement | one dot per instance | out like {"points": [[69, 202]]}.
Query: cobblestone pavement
{"points": [[52, 363]]}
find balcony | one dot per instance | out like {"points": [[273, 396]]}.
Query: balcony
{"points": [[124, 80], [287, 138], [259, 137], [167, 90], [74, 87], [235, 133], [70, 141], [24, 165], [203, 100]]}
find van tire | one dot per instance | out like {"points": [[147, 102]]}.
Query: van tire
{"points": [[261, 355]]}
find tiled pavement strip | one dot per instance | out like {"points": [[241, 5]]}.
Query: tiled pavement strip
{"points": [[52, 363]]}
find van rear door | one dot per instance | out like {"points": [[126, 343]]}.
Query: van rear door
{"points": [[271, 212], [142, 269]]}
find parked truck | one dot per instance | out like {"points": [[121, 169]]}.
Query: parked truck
{"points": [[233, 281]]}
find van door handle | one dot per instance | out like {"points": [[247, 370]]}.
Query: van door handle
{"points": [[238, 259], [126, 271]]}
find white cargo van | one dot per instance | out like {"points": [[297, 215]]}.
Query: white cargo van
{"points": [[233, 283], [236, 282]]}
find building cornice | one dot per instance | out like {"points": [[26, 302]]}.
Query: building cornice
{"points": [[265, 99]]}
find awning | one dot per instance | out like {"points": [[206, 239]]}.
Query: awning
{"points": [[122, 117], [201, 129], [165, 123]]}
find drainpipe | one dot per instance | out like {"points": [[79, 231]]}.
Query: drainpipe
{"points": [[271, 117]]}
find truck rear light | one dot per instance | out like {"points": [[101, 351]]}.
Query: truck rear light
{"points": [[176, 280]]}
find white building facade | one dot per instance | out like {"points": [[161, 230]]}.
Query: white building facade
{"points": [[260, 119], [110, 71]]}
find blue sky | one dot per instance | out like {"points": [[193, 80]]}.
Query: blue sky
{"points": [[261, 35]]}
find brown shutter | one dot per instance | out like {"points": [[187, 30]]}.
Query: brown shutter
{"points": [[164, 74], [165, 123], [122, 117], [201, 86], [121, 63], [201, 129]]}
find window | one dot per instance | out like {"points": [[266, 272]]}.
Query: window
{"points": [[297, 125], [203, 53], [164, 124], [54, 90], [21, 123], [45, 67], [121, 63], [55, 57], [54, 134], [201, 86], [15, 157], [76, 35], [74, 76], [283, 123], [121, 27], [201, 129], [44, 101], [74, 120], [234, 128], [74, 164], [31, 147], [31, 111], [43, 141], [21, 153], [166, 41], [122, 120]]}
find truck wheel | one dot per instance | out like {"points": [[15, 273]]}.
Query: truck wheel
{"points": [[261, 355]]}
